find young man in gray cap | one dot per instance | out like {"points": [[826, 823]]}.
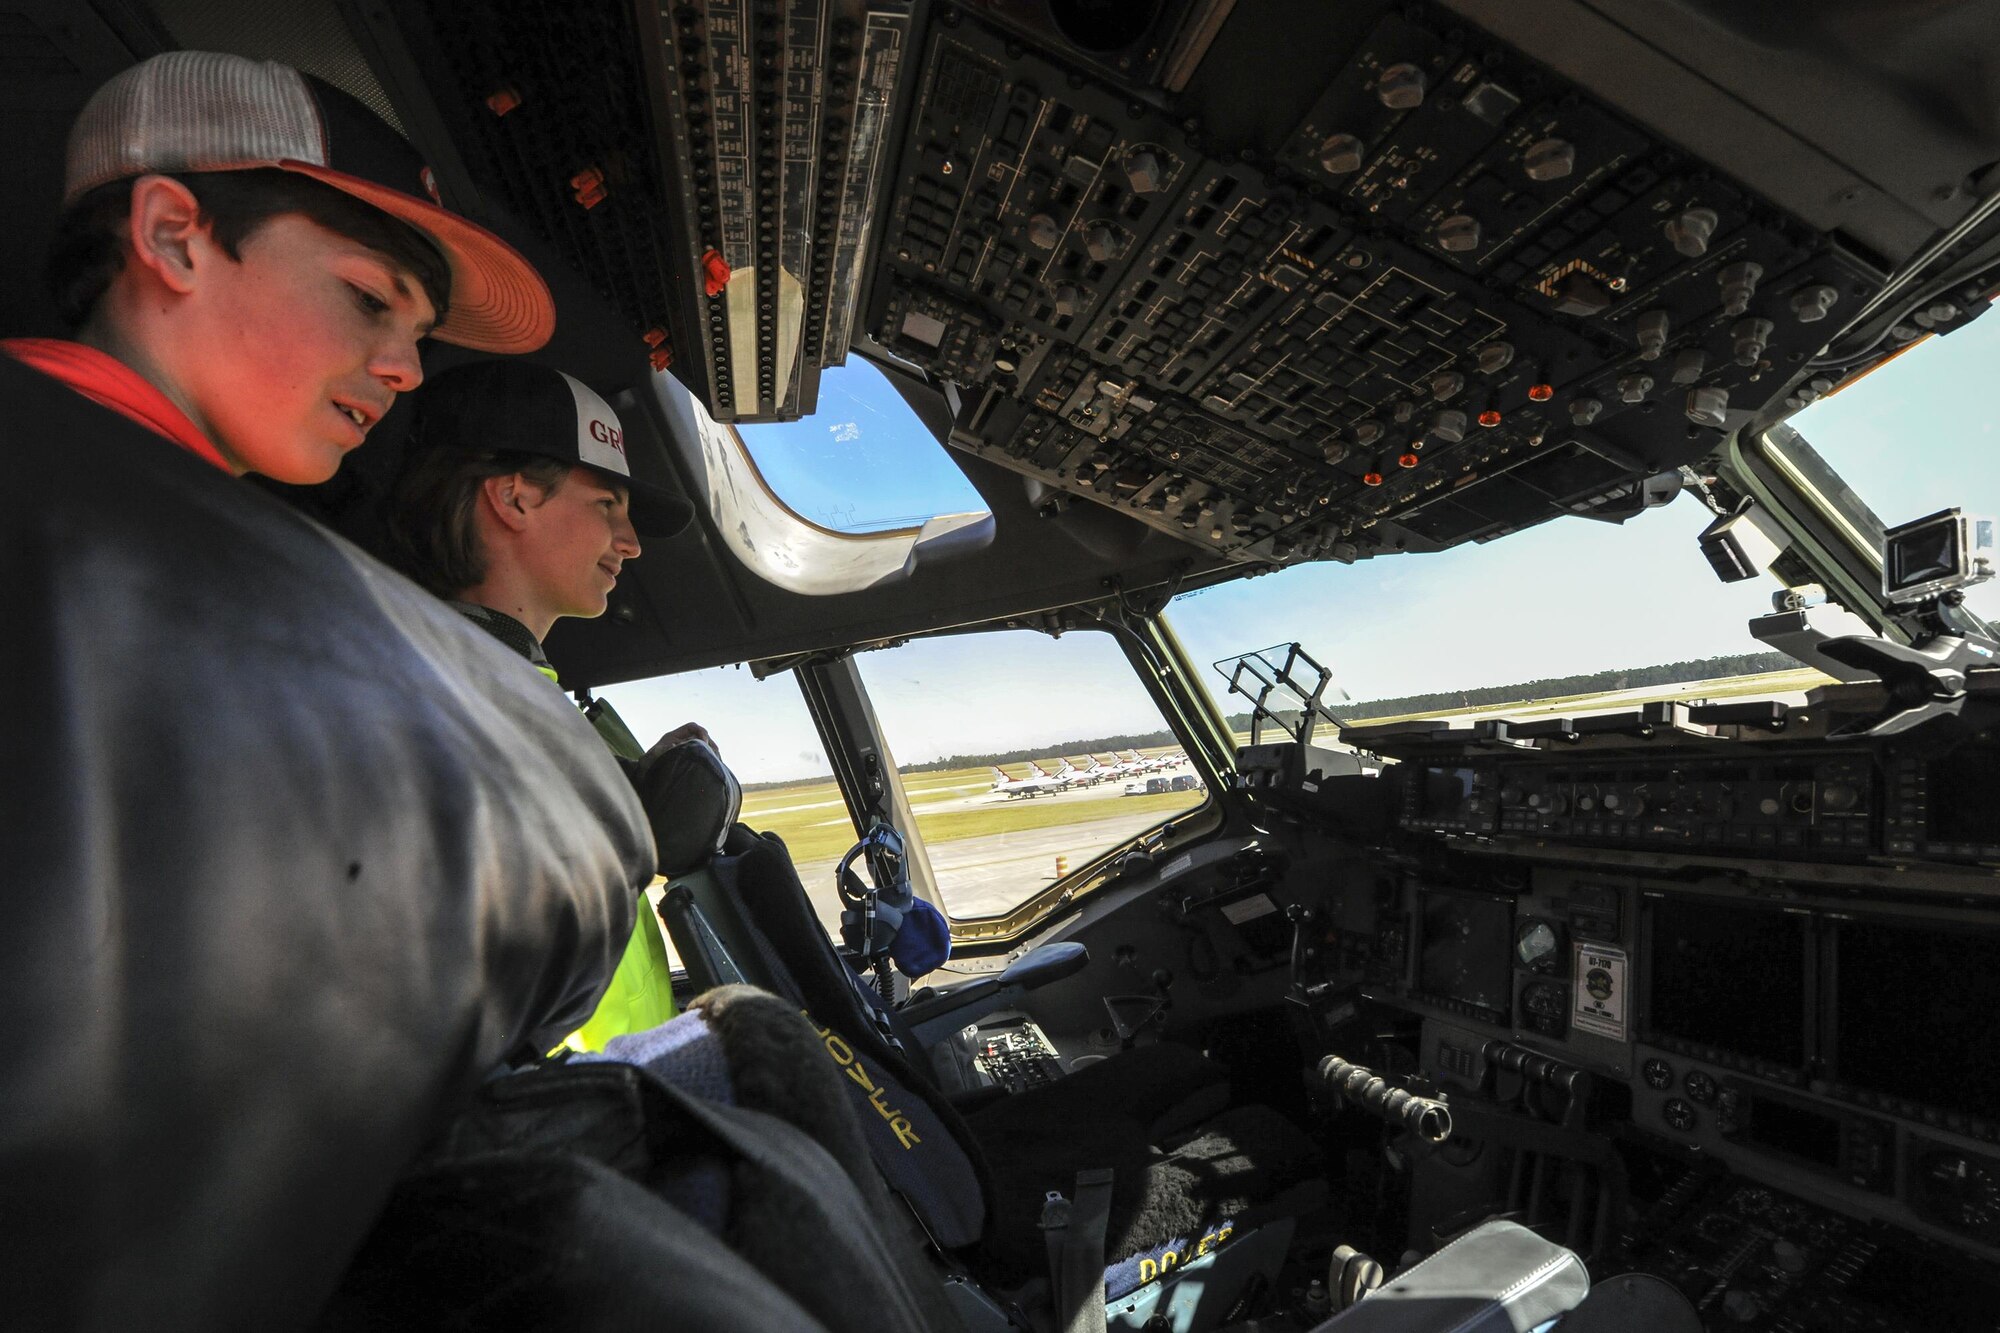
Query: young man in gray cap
{"points": [[516, 504], [294, 856]]}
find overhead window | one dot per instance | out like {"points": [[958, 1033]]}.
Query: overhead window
{"points": [[862, 462], [840, 501]]}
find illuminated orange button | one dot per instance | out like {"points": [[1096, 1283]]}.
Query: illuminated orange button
{"points": [[1489, 418], [655, 336], [661, 357], [1371, 479], [503, 101], [714, 272], [1541, 393], [1407, 460]]}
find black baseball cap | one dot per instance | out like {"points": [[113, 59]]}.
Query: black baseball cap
{"points": [[195, 111], [517, 407]]}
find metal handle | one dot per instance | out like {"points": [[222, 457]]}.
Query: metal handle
{"points": [[1426, 1117]]}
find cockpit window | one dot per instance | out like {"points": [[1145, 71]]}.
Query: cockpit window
{"points": [[1570, 608], [1024, 759], [862, 462], [1917, 436]]}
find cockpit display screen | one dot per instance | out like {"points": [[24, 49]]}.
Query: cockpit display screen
{"points": [[1467, 949], [1728, 976], [1915, 1008], [1445, 790], [1961, 796]]}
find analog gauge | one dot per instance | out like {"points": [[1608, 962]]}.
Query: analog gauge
{"points": [[1536, 944], [1659, 1075], [1700, 1086], [1960, 1191], [1679, 1116]]}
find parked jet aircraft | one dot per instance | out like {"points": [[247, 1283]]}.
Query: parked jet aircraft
{"points": [[1070, 775], [1092, 775], [1038, 783]]}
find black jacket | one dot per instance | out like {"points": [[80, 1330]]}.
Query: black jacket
{"points": [[290, 856]]}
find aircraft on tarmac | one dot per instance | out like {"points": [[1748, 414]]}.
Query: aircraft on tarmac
{"points": [[1086, 777], [1041, 783], [1068, 774]]}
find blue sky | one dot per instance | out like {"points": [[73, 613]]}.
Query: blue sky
{"points": [[862, 461], [1572, 595]]}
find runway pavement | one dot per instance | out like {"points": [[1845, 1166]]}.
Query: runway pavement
{"points": [[988, 874]]}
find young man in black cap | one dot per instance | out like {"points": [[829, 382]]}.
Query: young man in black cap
{"points": [[517, 505], [294, 857]]}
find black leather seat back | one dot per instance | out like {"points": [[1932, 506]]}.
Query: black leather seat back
{"points": [[691, 800], [745, 916]]}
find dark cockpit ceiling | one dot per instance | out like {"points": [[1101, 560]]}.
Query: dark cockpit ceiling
{"points": [[1261, 282]]}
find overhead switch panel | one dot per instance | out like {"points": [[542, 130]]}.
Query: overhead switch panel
{"points": [[1440, 302], [1417, 290]]}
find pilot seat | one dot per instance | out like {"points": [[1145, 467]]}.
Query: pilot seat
{"points": [[1202, 1196]]}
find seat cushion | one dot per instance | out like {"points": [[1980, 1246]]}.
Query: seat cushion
{"points": [[1239, 1167]]}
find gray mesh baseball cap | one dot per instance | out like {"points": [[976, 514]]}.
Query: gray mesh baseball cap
{"points": [[189, 111]]}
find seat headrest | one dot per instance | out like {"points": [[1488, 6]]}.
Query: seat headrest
{"points": [[691, 799]]}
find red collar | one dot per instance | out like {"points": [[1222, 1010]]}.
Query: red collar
{"points": [[109, 382]]}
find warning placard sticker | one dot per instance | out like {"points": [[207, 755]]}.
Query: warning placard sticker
{"points": [[1249, 909], [1599, 1005]]}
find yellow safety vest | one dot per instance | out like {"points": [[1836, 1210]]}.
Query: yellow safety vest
{"points": [[641, 994]]}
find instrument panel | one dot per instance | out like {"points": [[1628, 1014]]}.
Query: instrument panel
{"points": [[1690, 791], [1771, 961], [1789, 1034]]}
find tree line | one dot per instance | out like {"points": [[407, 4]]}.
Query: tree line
{"points": [[1556, 687]]}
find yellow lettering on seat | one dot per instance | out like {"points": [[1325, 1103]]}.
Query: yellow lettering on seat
{"points": [[843, 1055], [1148, 1270]]}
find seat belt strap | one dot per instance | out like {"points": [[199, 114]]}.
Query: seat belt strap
{"points": [[1055, 1236], [1075, 1234]]}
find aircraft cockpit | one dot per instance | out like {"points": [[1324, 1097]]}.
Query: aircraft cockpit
{"points": [[1596, 891]]}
